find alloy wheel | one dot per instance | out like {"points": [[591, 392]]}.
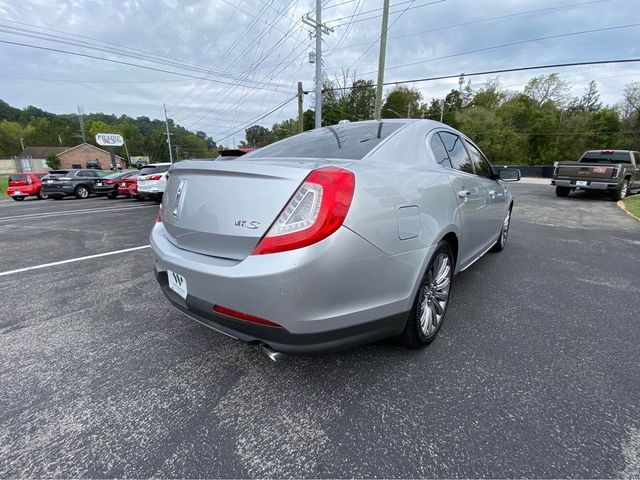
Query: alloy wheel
{"points": [[435, 294]]}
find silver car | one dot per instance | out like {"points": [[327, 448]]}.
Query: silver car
{"points": [[335, 237]]}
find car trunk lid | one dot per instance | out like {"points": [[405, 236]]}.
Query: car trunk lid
{"points": [[223, 209]]}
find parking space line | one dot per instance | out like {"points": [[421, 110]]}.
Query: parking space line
{"points": [[73, 212], [72, 260]]}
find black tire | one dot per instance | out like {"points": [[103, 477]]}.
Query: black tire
{"points": [[414, 334], [18, 199], [621, 192], [563, 191], [42, 196], [504, 233], [81, 191], [113, 195]]}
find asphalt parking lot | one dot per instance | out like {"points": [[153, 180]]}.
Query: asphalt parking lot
{"points": [[535, 372]]}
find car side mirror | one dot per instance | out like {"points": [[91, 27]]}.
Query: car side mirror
{"points": [[509, 174]]}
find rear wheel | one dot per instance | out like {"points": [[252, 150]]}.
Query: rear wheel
{"points": [[113, 195], [504, 233], [42, 196], [18, 199], [563, 191], [432, 299], [81, 191], [621, 192]]}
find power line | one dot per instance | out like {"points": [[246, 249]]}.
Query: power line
{"points": [[257, 119], [390, 13], [110, 60], [482, 20], [503, 70], [520, 42], [64, 80], [68, 40]]}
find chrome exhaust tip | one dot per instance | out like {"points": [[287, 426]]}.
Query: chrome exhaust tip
{"points": [[272, 354]]}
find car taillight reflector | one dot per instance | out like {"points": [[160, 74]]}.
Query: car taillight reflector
{"points": [[154, 177], [316, 210], [243, 316]]}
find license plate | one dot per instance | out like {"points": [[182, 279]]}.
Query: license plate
{"points": [[17, 193], [98, 184], [581, 183], [123, 185], [599, 170], [177, 283], [49, 181]]}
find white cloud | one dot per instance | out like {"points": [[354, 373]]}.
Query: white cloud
{"points": [[245, 39]]}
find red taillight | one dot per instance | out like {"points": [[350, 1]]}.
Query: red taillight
{"points": [[154, 177], [243, 316], [315, 211]]}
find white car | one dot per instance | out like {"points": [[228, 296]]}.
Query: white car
{"points": [[152, 180]]}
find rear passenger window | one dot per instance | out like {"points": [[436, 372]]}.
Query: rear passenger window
{"points": [[439, 152], [457, 154], [482, 166]]}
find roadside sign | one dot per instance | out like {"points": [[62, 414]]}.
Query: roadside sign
{"points": [[109, 139]]}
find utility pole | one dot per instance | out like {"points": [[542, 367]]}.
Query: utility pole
{"points": [[81, 121], [318, 64], [166, 122], [22, 142], [300, 109], [319, 29], [381, 59], [127, 151]]}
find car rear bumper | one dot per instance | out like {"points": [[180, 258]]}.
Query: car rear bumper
{"points": [[104, 190], [591, 184], [54, 190], [337, 293], [22, 191], [280, 339]]}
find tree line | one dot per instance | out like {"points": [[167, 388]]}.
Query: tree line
{"points": [[538, 125], [143, 136]]}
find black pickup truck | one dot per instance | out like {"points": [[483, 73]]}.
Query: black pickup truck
{"points": [[615, 171]]}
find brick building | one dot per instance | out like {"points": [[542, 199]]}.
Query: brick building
{"points": [[80, 155]]}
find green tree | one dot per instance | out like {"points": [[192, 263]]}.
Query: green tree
{"points": [[257, 136], [10, 135], [402, 102], [53, 161]]}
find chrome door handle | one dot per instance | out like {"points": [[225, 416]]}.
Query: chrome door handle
{"points": [[464, 193], [492, 193]]}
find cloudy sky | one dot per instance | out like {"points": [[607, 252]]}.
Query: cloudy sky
{"points": [[236, 60]]}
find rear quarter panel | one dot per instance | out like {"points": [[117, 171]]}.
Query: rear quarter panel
{"points": [[402, 173]]}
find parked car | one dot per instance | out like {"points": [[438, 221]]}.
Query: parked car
{"points": [[23, 185], [78, 182], [152, 180], [128, 186], [94, 165], [331, 238], [613, 171], [109, 184]]}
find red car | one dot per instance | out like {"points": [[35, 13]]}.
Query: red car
{"points": [[128, 187], [28, 184]]}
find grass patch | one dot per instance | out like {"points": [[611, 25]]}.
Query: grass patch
{"points": [[4, 180], [633, 204]]}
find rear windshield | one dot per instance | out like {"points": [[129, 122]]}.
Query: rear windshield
{"points": [[349, 141], [40, 175], [115, 175], [58, 173], [18, 178], [149, 169], [606, 157]]}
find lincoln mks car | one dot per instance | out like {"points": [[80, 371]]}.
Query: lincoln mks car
{"points": [[334, 237]]}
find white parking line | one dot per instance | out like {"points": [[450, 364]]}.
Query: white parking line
{"points": [[71, 260], [73, 212]]}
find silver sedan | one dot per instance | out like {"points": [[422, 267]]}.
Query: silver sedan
{"points": [[335, 237]]}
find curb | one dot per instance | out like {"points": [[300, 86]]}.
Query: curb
{"points": [[620, 204]]}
